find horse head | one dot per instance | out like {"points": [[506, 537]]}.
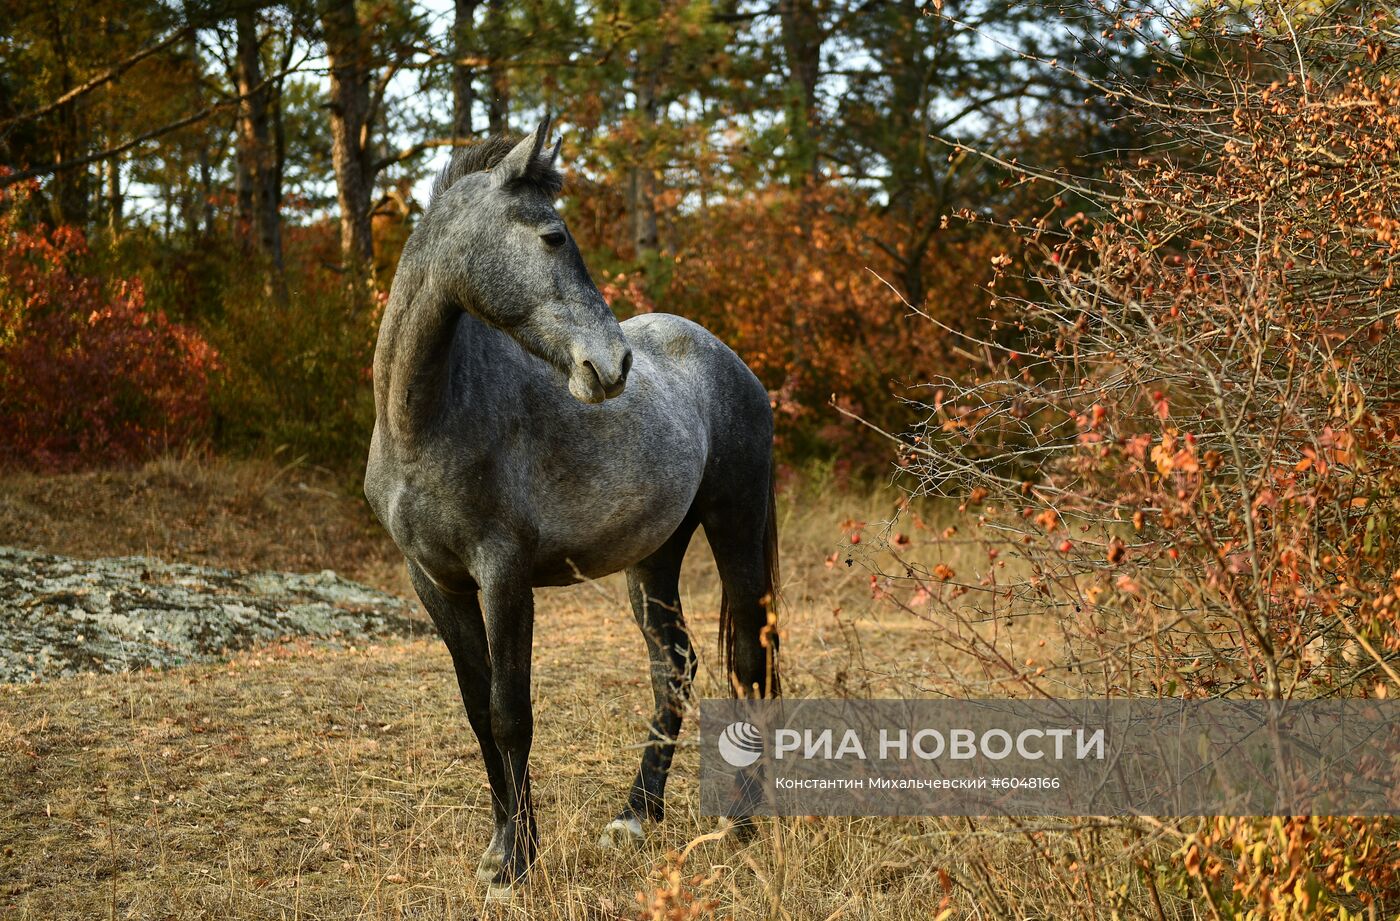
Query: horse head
{"points": [[500, 249]]}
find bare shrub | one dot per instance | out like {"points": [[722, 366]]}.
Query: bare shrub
{"points": [[1194, 450], [1183, 477]]}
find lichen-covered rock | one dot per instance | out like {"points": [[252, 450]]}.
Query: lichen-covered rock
{"points": [[60, 616]]}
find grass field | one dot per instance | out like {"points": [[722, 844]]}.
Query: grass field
{"points": [[304, 782]]}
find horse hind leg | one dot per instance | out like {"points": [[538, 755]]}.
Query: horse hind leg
{"points": [[653, 585], [743, 536], [742, 530]]}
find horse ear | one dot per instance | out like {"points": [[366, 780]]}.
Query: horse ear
{"points": [[522, 156]]}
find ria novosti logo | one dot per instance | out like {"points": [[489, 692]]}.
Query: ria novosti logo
{"points": [[740, 744]]}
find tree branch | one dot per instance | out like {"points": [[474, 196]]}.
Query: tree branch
{"points": [[48, 170], [105, 77], [415, 149]]}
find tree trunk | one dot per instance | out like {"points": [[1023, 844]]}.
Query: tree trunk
{"points": [[641, 177], [242, 197], [71, 202], [348, 52], [279, 126], [907, 66], [206, 194], [497, 72], [257, 155], [463, 68], [115, 201], [167, 197], [802, 49], [641, 205]]}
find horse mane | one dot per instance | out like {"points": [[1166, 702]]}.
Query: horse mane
{"points": [[483, 155]]}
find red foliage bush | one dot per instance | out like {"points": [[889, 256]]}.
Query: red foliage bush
{"points": [[87, 374]]}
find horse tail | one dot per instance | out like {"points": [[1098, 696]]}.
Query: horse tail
{"points": [[768, 603], [771, 581]]}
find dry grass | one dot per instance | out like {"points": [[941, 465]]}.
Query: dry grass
{"points": [[241, 514], [296, 782]]}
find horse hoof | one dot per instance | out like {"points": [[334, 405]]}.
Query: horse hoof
{"points": [[489, 866], [498, 893], [622, 833]]}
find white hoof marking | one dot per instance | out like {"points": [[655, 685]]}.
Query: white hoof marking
{"points": [[620, 832], [498, 894]]}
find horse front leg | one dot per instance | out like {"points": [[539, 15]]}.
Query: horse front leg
{"points": [[459, 622], [510, 614]]}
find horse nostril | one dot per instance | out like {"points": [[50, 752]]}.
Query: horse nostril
{"points": [[613, 383]]}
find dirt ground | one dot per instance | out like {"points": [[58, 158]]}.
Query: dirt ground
{"points": [[300, 782]]}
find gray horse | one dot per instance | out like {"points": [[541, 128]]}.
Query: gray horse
{"points": [[524, 438]]}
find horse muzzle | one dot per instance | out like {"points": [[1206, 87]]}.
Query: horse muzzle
{"points": [[601, 374]]}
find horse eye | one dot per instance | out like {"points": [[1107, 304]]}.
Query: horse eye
{"points": [[554, 237]]}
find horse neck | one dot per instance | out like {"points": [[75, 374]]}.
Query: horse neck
{"points": [[413, 357]]}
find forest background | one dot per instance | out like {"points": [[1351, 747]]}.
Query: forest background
{"points": [[203, 203]]}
